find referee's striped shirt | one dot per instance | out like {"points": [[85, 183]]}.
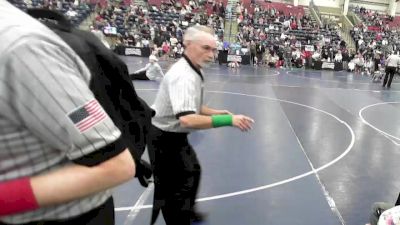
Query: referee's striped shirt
{"points": [[180, 93], [42, 83]]}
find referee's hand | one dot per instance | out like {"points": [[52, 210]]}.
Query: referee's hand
{"points": [[242, 122]]}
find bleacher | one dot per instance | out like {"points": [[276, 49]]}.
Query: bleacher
{"points": [[282, 7], [76, 14], [118, 18], [306, 35], [183, 21], [377, 31]]}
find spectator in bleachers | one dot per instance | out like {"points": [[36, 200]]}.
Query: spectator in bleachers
{"points": [[145, 43], [165, 49], [298, 58], [178, 51], [174, 41]]}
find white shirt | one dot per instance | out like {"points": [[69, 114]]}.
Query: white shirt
{"points": [[173, 41], [153, 71], [286, 23], [145, 43], [393, 61], [180, 93]]}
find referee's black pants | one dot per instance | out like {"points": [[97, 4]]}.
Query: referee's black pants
{"points": [[390, 71], [252, 58], [177, 176], [102, 215]]}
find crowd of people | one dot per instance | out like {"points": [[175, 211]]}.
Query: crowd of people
{"points": [[160, 28], [376, 38], [271, 37], [275, 38], [75, 10]]}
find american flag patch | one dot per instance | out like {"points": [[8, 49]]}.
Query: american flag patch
{"points": [[87, 116]]}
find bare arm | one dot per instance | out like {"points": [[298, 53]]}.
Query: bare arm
{"points": [[76, 181], [196, 121], [205, 110], [143, 69]]}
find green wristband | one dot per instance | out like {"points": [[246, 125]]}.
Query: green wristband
{"points": [[221, 120]]}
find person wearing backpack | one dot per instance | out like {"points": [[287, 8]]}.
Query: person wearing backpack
{"points": [[111, 86], [61, 152]]}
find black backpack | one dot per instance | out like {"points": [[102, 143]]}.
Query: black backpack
{"points": [[111, 85]]}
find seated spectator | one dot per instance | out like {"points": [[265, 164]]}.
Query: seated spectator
{"points": [[351, 66], [293, 25], [145, 43], [338, 57], [178, 51], [165, 49], [359, 63], [316, 56], [173, 40]]}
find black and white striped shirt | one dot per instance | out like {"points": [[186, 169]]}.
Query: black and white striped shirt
{"points": [[180, 93], [42, 83]]}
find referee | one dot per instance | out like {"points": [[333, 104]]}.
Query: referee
{"points": [[392, 63], [180, 110], [60, 153]]}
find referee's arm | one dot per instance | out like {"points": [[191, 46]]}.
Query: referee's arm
{"points": [[196, 121], [183, 100], [205, 110], [46, 87], [77, 181]]}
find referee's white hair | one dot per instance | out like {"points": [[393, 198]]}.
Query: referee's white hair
{"points": [[198, 32]]}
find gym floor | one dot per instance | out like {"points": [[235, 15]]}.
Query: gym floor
{"points": [[323, 148]]}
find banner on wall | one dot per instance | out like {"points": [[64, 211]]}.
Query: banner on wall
{"points": [[133, 51], [309, 48], [236, 58], [328, 65]]}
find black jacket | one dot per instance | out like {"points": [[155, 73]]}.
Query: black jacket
{"points": [[110, 84]]}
